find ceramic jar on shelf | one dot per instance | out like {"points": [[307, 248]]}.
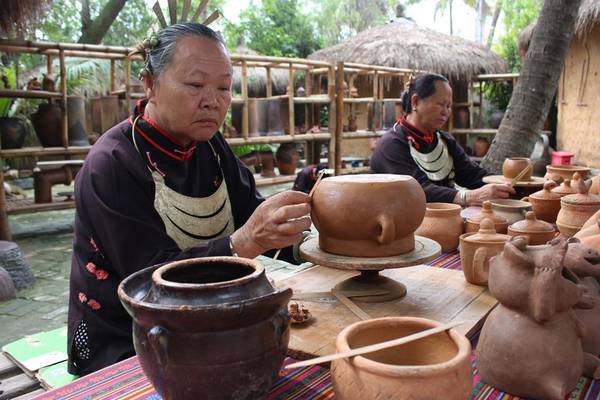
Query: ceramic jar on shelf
{"points": [[545, 203], [536, 231], [443, 224], [500, 222]]}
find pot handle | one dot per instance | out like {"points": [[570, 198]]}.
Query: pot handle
{"points": [[480, 273], [526, 198], [157, 336], [388, 229]]}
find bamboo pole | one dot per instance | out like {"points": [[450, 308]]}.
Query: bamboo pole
{"points": [[4, 226], [339, 115], [269, 82], [63, 92], [307, 137], [331, 79], [245, 107], [113, 75], [49, 67], [128, 84], [290, 92]]}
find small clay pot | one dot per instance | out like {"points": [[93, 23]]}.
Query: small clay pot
{"points": [[476, 249], [537, 232], [512, 166], [545, 203], [268, 164], [213, 326], [443, 224], [576, 209], [595, 189], [368, 215], [512, 210], [500, 222], [565, 188], [566, 171], [435, 367]]}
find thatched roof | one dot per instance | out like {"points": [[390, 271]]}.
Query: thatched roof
{"points": [[257, 77], [16, 16], [404, 44], [589, 15]]}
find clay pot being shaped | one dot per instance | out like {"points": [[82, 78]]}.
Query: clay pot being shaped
{"points": [[443, 224], [529, 338], [47, 122], [500, 222], [536, 231], [576, 209], [368, 215], [212, 326], [435, 367], [512, 210], [476, 249], [566, 171], [512, 166], [545, 203], [565, 188]]}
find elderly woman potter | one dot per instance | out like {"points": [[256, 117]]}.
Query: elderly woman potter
{"points": [[164, 185]]}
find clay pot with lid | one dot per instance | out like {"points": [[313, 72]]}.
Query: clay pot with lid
{"points": [[476, 249], [435, 367], [512, 210], [565, 188], [500, 222], [213, 326], [512, 166], [545, 203], [576, 209], [536, 231], [443, 224], [368, 215], [566, 171]]}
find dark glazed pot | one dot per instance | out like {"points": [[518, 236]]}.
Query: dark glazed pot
{"points": [[47, 122], [210, 328]]}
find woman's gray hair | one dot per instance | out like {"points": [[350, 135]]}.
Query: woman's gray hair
{"points": [[158, 50]]}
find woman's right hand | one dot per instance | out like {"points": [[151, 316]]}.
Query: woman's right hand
{"points": [[488, 192], [276, 223]]}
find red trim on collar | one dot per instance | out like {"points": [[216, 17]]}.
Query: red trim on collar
{"points": [[167, 135], [183, 157], [422, 135]]}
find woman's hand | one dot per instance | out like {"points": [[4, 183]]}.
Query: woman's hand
{"points": [[278, 222], [488, 192]]}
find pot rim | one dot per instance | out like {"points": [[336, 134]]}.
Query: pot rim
{"points": [[442, 208], [571, 167], [522, 232], [464, 238], [157, 275], [510, 203], [460, 341]]}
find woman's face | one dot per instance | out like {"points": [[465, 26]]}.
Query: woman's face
{"points": [[193, 92], [433, 111]]}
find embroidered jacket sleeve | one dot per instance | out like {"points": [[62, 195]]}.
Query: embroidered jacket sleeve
{"points": [[467, 173]]}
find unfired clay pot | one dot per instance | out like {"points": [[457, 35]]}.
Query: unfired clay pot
{"points": [[500, 222], [530, 344], [595, 189], [566, 171], [368, 215], [536, 231], [512, 210], [545, 203], [210, 328], [512, 166], [576, 209], [565, 188], [443, 224], [476, 249], [435, 367]]}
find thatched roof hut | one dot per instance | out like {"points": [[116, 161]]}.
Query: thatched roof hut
{"points": [[257, 77], [404, 44]]}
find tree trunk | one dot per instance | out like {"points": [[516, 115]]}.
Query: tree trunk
{"points": [[85, 15], [533, 94], [96, 29], [495, 16]]}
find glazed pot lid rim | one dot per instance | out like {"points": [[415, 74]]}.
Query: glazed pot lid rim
{"points": [[463, 349]]}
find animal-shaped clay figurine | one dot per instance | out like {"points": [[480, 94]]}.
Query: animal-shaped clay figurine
{"points": [[530, 345], [584, 262], [48, 83]]}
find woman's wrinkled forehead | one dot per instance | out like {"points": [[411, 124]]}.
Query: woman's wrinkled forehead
{"points": [[195, 49]]}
